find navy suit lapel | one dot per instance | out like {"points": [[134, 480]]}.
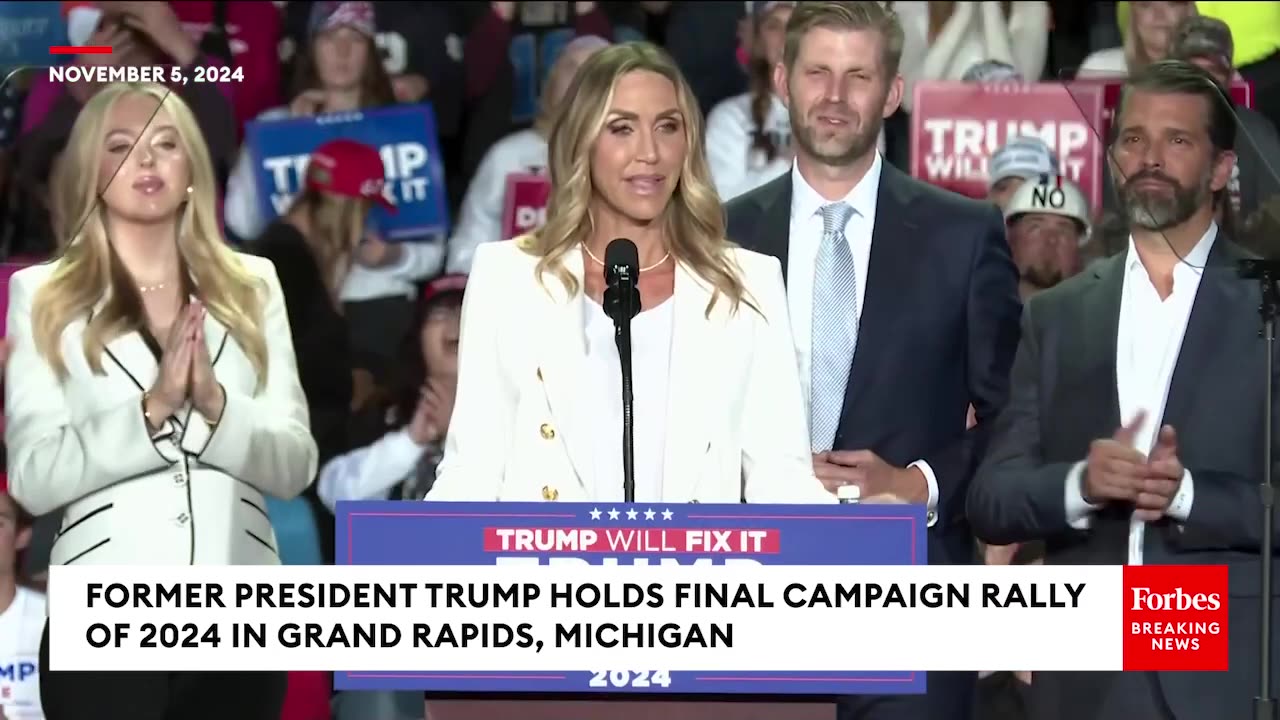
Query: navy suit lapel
{"points": [[1096, 329], [1220, 301], [892, 265]]}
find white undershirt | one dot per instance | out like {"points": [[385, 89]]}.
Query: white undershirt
{"points": [[1148, 341], [650, 373], [21, 625]]}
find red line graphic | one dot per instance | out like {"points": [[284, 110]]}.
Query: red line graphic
{"points": [[80, 50]]}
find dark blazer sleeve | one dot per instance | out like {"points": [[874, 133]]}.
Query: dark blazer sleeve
{"points": [[992, 309], [1015, 496], [1224, 515]]}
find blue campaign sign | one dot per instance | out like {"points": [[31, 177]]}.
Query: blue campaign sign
{"points": [[405, 135], [27, 31], [427, 533]]}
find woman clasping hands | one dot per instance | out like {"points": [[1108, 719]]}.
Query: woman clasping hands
{"points": [[173, 381], [206, 392]]}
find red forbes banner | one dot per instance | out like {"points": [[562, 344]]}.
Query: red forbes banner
{"points": [[525, 204], [956, 127]]}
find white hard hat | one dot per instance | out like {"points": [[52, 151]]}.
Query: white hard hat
{"points": [[1053, 195]]}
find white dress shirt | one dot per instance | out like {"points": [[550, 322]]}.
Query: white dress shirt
{"points": [[650, 373], [802, 257], [1148, 342]]}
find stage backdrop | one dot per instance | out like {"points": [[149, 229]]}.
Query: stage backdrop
{"points": [[955, 128], [386, 533], [404, 134]]}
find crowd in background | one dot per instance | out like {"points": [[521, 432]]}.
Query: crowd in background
{"points": [[375, 322]]}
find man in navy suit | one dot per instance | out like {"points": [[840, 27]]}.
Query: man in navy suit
{"points": [[903, 298]]}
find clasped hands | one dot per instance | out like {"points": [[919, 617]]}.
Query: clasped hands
{"points": [[877, 480], [186, 371], [1117, 472]]}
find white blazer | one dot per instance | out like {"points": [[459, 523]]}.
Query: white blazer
{"points": [[521, 424], [184, 496]]}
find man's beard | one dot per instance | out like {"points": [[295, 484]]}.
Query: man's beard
{"points": [[1043, 276], [1159, 211], [857, 145]]}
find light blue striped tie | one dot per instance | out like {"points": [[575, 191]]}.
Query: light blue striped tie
{"points": [[835, 312]]}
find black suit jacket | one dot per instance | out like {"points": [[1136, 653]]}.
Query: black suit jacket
{"points": [[1064, 397], [938, 331]]}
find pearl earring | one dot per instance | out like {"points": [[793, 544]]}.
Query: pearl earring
{"points": [[190, 189]]}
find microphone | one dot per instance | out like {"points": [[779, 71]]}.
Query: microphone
{"points": [[621, 303]]}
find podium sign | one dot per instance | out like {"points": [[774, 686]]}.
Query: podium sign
{"points": [[452, 534]]}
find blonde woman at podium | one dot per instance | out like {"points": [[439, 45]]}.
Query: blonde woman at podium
{"points": [[718, 411]]}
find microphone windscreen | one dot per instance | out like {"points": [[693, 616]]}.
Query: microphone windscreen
{"points": [[621, 252]]}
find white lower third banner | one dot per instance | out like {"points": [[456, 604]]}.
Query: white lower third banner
{"points": [[743, 618]]}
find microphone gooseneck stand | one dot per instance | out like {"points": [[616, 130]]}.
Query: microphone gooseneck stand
{"points": [[622, 302], [622, 337], [1267, 273]]}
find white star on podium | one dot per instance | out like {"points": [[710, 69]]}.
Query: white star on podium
{"points": [[631, 514], [595, 513], [613, 514], [648, 514], [666, 514]]}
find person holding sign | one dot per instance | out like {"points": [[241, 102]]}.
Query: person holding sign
{"points": [[151, 390], [718, 414], [523, 152], [340, 73]]}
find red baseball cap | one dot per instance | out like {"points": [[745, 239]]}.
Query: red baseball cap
{"points": [[349, 168], [444, 284]]}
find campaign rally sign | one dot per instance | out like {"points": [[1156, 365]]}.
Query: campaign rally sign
{"points": [[524, 205], [451, 534], [27, 31], [956, 127], [405, 135]]}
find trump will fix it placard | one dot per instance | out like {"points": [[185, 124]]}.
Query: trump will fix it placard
{"points": [[956, 127]]}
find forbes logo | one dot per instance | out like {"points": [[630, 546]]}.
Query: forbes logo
{"points": [[1176, 618], [1179, 599]]}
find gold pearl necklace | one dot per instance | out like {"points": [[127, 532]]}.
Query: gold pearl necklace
{"points": [[152, 288], [600, 262]]}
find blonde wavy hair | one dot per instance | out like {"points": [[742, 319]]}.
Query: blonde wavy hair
{"points": [[88, 269], [335, 227], [693, 222]]}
